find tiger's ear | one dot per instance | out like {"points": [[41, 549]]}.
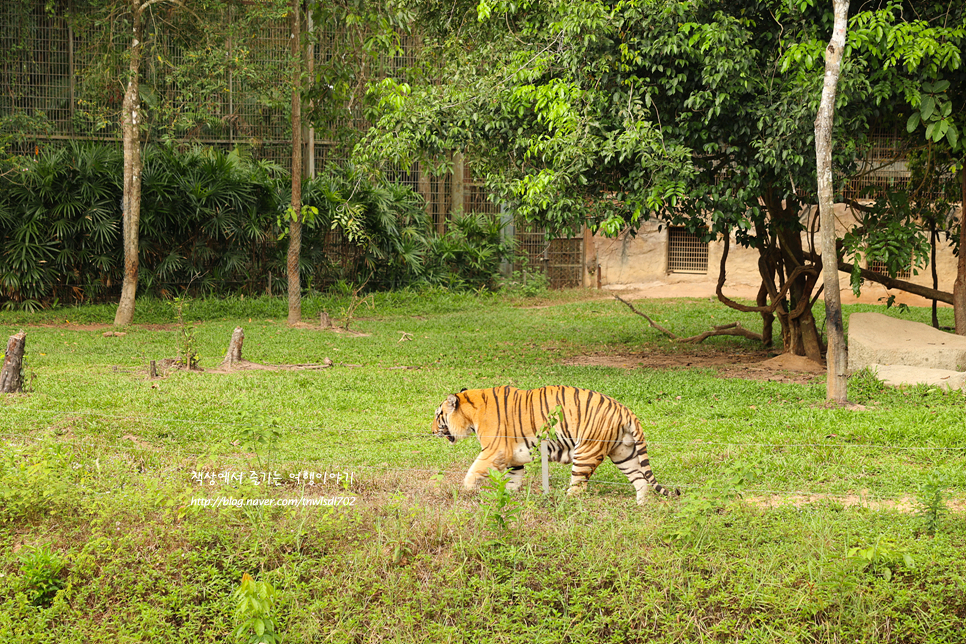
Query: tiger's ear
{"points": [[463, 389], [452, 402]]}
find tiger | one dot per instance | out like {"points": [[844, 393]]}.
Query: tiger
{"points": [[506, 420]]}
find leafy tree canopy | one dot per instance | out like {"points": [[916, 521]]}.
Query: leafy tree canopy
{"points": [[697, 112]]}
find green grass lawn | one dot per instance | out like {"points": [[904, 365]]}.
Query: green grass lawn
{"points": [[798, 522]]}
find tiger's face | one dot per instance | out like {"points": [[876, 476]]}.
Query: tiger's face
{"points": [[447, 423]]}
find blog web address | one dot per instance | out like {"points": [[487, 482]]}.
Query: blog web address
{"points": [[231, 502]]}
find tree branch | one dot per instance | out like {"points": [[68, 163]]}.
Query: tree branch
{"points": [[776, 298], [724, 329], [888, 282]]}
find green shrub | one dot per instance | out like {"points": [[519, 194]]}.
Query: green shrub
{"points": [[42, 575], [211, 223]]}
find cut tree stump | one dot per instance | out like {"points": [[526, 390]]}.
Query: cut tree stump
{"points": [[234, 353], [11, 376], [324, 320]]}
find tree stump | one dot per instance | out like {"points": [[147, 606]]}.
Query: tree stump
{"points": [[324, 320], [234, 353], [11, 376]]}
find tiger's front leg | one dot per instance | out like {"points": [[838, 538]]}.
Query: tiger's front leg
{"points": [[481, 466]]}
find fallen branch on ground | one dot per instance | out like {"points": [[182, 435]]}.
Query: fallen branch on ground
{"points": [[724, 329]]}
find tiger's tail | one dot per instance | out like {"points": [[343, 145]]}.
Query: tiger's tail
{"points": [[649, 477]]}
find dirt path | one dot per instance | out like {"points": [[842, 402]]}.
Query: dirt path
{"points": [[750, 366]]}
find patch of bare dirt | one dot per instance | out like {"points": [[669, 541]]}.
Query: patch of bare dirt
{"points": [[750, 366], [904, 504], [245, 365]]}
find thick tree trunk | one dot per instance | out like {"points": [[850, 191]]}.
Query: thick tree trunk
{"points": [[800, 334], [131, 118], [837, 357], [11, 375], [295, 224], [959, 287]]}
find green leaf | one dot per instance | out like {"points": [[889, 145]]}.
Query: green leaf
{"points": [[940, 130], [927, 107], [913, 122], [953, 135]]}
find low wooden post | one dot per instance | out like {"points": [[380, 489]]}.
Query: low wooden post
{"points": [[325, 321], [234, 353], [11, 376], [545, 466]]}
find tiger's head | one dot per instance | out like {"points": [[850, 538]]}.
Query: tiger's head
{"points": [[450, 422]]}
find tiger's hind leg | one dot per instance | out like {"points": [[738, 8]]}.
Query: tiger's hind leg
{"points": [[515, 478], [627, 461], [585, 462]]}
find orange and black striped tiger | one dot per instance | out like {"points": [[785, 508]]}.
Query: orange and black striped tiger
{"points": [[507, 421]]}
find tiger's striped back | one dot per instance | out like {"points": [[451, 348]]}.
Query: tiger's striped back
{"points": [[508, 422]]}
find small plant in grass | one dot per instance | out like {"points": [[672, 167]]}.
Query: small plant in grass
{"points": [[932, 507], [883, 557], [349, 311], [864, 384], [253, 613], [712, 497], [502, 509], [42, 574], [548, 432], [525, 283], [188, 356], [260, 435]]}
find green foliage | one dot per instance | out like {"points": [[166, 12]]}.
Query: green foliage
{"points": [[884, 557], [932, 507], [713, 496], [502, 509], [31, 481], [59, 224], [187, 344], [887, 233], [547, 432], [210, 223], [469, 254], [525, 283], [255, 603], [259, 434], [42, 574]]}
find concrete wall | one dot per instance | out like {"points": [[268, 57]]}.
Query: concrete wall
{"points": [[639, 263]]}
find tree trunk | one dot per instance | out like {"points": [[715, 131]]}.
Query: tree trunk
{"points": [[295, 223], [799, 332], [11, 375], [234, 353], [837, 357], [959, 287], [131, 118]]}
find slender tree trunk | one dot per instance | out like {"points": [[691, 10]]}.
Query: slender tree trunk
{"points": [[131, 118], [935, 272], [959, 287], [837, 357], [295, 224]]}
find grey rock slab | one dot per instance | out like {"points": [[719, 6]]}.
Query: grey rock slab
{"points": [[897, 375], [876, 339]]}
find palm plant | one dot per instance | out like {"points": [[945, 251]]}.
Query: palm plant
{"points": [[59, 219]]}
